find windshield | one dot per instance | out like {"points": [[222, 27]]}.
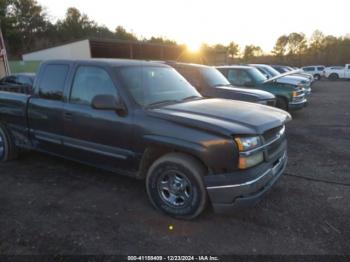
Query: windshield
{"points": [[213, 77], [257, 75], [151, 85], [272, 72]]}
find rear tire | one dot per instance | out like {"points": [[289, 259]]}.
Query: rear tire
{"points": [[175, 186], [8, 149], [333, 77], [317, 77], [282, 103]]}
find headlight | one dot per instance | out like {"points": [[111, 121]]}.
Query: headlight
{"points": [[246, 144]]}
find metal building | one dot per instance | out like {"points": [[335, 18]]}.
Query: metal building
{"points": [[106, 48], [103, 48]]}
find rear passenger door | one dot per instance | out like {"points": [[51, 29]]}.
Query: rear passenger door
{"points": [[98, 137], [45, 109]]}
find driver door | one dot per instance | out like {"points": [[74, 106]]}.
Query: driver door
{"points": [[98, 137], [240, 78]]}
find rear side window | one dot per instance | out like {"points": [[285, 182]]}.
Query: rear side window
{"points": [[320, 68], [89, 82], [309, 69], [52, 82], [233, 77], [23, 80], [191, 75]]}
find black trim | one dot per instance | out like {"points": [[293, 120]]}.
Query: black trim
{"points": [[83, 145]]}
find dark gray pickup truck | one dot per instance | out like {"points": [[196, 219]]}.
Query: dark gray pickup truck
{"points": [[144, 120]]}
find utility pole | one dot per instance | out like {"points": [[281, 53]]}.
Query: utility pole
{"points": [[5, 67]]}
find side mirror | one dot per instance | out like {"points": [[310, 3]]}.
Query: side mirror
{"points": [[106, 102]]}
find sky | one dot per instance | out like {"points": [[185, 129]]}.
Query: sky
{"points": [[192, 22]]}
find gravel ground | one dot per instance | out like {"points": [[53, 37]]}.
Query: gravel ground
{"points": [[53, 206]]}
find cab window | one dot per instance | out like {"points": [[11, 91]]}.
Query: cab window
{"points": [[233, 77], [90, 81], [191, 75], [52, 82]]}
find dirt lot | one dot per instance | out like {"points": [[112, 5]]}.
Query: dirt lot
{"points": [[49, 205]]}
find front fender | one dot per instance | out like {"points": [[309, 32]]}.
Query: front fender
{"points": [[216, 153]]}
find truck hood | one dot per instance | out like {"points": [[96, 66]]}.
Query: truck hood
{"points": [[280, 76], [259, 94], [225, 117], [291, 79]]}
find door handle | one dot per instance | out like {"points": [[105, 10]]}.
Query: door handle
{"points": [[68, 116]]}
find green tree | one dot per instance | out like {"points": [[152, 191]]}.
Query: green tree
{"points": [[75, 24], [27, 21], [233, 50], [297, 43], [316, 46], [251, 51], [121, 33], [161, 40], [280, 47]]}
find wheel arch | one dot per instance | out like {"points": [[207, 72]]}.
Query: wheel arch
{"points": [[157, 148]]}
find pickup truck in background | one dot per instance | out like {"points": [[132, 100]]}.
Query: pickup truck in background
{"points": [[335, 72], [289, 96], [21, 82], [144, 120], [211, 83], [286, 78], [296, 72]]}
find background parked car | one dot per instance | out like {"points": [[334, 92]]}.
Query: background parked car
{"points": [[22, 82], [270, 72], [317, 71], [211, 83], [289, 96], [338, 72], [297, 72]]}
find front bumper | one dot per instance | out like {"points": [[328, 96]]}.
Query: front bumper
{"points": [[308, 92], [246, 187], [270, 102], [297, 105]]}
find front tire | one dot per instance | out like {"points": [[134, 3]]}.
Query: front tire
{"points": [[7, 147], [334, 77], [175, 186], [282, 103]]}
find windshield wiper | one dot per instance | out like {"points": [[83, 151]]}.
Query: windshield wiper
{"points": [[191, 98], [158, 103], [217, 85]]}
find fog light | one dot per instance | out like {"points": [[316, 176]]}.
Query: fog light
{"points": [[250, 161]]}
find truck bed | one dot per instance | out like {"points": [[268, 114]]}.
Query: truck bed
{"points": [[16, 89]]}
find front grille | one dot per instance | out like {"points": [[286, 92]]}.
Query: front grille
{"points": [[271, 102], [272, 134], [274, 148]]}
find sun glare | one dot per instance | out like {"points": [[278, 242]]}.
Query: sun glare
{"points": [[193, 46]]}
